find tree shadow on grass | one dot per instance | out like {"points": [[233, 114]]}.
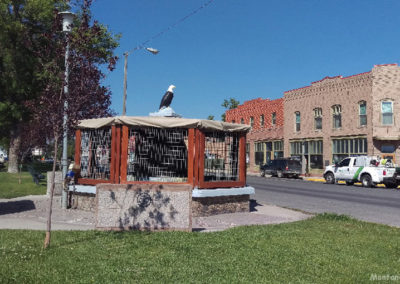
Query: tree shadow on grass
{"points": [[16, 206]]}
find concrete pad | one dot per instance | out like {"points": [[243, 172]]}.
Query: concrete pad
{"points": [[263, 214], [30, 224], [30, 213]]}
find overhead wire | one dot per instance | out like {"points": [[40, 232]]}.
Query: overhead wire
{"points": [[143, 44]]}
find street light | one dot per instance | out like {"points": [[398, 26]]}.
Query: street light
{"points": [[68, 18], [126, 54]]}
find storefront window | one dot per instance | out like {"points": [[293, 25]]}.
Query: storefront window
{"points": [[266, 151], [259, 153], [278, 149], [349, 147], [313, 150]]}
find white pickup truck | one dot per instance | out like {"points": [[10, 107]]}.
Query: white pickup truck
{"points": [[367, 170]]}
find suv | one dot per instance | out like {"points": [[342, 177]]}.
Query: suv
{"points": [[282, 167]]}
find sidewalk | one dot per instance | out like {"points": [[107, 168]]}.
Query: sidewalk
{"points": [[30, 212], [261, 214]]}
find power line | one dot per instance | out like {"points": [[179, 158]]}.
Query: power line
{"points": [[143, 44]]}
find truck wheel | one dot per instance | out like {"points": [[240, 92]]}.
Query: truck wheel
{"points": [[366, 181], [262, 173], [279, 174], [330, 178]]}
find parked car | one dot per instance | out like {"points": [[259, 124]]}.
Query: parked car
{"points": [[282, 167]]}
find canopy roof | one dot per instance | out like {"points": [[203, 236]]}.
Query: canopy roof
{"points": [[163, 122]]}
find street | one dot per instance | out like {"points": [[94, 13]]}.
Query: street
{"points": [[379, 205]]}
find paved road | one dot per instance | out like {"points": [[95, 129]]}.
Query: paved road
{"points": [[379, 205]]}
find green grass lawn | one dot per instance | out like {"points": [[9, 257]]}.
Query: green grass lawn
{"points": [[10, 188], [324, 249]]}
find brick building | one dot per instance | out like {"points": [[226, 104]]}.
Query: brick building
{"points": [[340, 116], [331, 119], [265, 140]]}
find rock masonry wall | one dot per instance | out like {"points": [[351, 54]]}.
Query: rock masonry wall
{"points": [[202, 207]]}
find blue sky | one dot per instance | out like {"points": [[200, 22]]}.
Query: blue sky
{"points": [[243, 49]]}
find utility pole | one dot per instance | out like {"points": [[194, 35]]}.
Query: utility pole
{"points": [[125, 83], [67, 22], [126, 54]]}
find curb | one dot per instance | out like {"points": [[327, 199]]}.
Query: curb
{"points": [[314, 179], [339, 182]]}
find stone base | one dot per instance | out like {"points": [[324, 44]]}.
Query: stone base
{"points": [[143, 207], [82, 201], [166, 112], [201, 206], [207, 206]]}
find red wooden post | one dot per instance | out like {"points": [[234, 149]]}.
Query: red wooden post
{"points": [[242, 158], [118, 156], [113, 158], [196, 157], [200, 156], [77, 147], [191, 153], [124, 154]]}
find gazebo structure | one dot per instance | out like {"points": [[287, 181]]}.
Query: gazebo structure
{"points": [[203, 158]]}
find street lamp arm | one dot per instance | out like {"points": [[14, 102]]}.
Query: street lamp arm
{"points": [[126, 54]]}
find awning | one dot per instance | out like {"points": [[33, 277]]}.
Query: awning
{"points": [[163, 122]]}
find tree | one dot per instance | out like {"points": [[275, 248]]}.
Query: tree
{"points": [[229, 104], [91, 46], [21, 24], [210, 117]]}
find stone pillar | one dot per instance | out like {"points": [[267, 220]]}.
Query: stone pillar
{"points": [[144, 207], [58, 183]]}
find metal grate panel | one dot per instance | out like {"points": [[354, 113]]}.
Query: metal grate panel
{"points": [[221, 161], [156, 154], [96, 153]]}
